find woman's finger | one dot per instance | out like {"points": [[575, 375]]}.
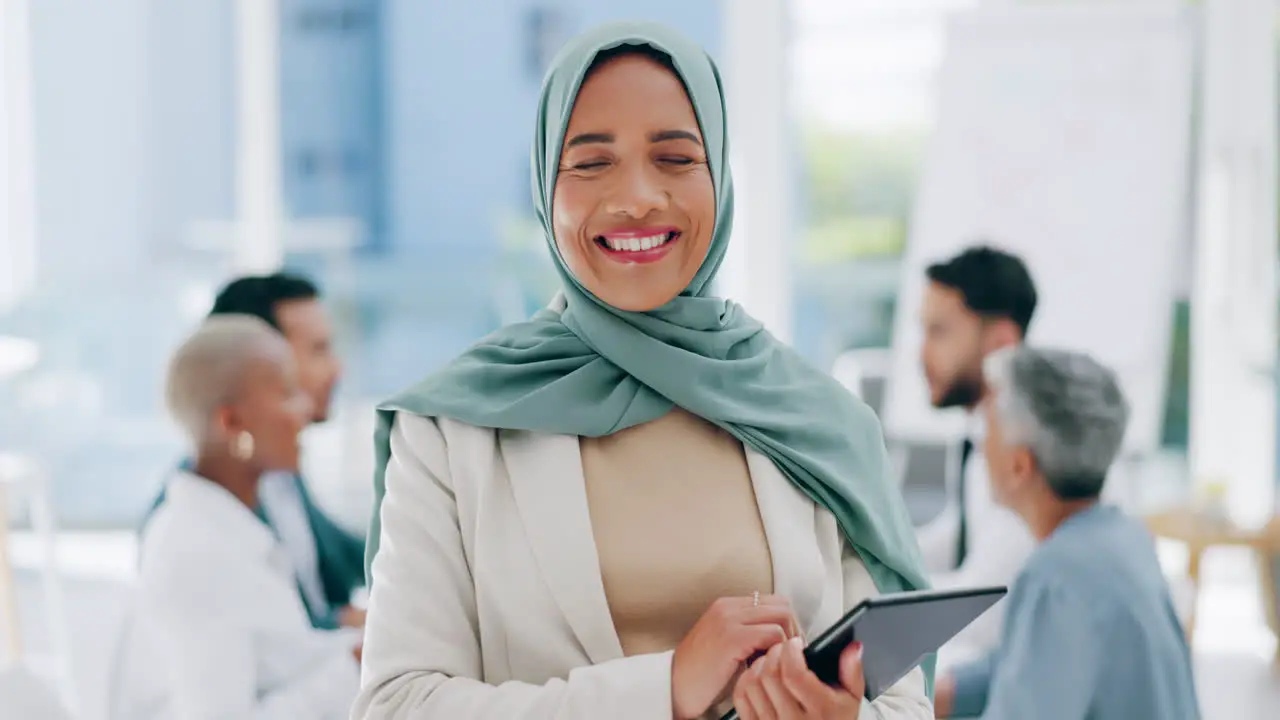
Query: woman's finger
{"points": [[781, 602], [740, 602], [812, 694], [851, 677], [741, 703], [754, 694], [754, 639], [767, 609], [781, 701], [769, 614]]}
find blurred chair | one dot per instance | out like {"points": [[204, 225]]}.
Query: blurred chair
{"points": [[865, 373], [23, 481], [848, 371], [924, 469], [10, 631], [921, 467], [23, 695]]}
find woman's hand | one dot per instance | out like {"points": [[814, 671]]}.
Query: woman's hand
{"points": [[727, 634], [351, 617], [781, 687]]}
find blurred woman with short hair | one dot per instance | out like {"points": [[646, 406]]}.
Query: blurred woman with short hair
{"points": [[219, 603]]}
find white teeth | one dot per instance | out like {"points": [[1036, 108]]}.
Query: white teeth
{"points": [[636, 244]]}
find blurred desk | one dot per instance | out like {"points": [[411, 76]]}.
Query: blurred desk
{"points": [[9, 629], [1201, 531], [17, 355], [23, 480]]}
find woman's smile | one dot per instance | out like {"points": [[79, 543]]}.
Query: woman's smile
{"points": [[638, 245]]}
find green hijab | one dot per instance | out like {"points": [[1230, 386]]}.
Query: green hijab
{"points": [[584, 368]]}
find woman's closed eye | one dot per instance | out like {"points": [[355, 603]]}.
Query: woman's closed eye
{"points": [[668, 161], [586, 166]]}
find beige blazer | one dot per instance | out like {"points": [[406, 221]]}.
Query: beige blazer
{"points": [[487, 602]]}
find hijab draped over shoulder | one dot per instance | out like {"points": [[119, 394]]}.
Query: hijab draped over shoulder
{"points": [[584, 368]]}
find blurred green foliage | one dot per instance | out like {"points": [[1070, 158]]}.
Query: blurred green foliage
{"points": [[859, 188]]}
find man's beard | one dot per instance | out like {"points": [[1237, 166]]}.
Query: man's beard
{"points": [[965, 392]]}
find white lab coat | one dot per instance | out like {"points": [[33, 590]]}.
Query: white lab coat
{"points": [[487, 601], [219, 629]]}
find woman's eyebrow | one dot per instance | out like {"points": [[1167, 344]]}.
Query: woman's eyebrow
{"points": [[590, 139], [663, 135], [594, 138]]}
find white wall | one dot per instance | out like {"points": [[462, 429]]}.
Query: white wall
{"points": [[17, 169], [757, 74], [1233, 323]]}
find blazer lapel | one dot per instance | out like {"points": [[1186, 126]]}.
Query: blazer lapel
{"points": [[550, 494], [789, 519]]}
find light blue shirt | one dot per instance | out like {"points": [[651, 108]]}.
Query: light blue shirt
{"points": [[1090, 634]]}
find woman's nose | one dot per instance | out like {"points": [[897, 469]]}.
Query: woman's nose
{"points": [[636, 194]]}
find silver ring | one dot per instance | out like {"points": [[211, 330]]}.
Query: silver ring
{"points": [[755, 598]]}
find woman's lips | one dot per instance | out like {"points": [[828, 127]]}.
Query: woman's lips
{"points": [[638, 245]]}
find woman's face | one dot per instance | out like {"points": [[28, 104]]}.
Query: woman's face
{"points": [[273, 409], [634, 205]]}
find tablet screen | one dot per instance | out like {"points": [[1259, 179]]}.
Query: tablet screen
{"points": [[897, 631]]}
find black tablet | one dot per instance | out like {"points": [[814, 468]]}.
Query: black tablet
{"points": [[897, 632]]}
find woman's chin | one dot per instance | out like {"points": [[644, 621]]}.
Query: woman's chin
{"points": [[638, 302], [638, 292]]}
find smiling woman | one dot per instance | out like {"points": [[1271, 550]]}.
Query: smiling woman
{"points": [[634, 204], [609, 509]]}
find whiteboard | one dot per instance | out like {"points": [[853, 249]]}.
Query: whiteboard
{"points": [[1064, 136]]}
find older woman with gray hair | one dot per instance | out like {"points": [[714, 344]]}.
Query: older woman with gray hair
{"points": [[219, 612], [1090, 631]]}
